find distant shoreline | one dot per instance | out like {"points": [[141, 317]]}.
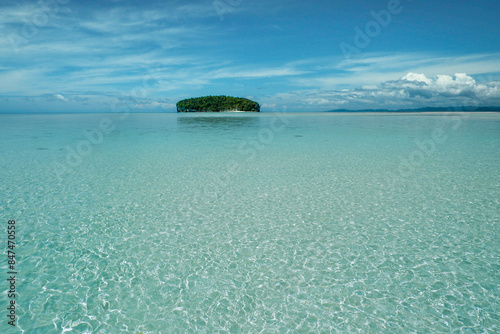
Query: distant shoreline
{"points": [[428, 109], [264, 112], [413, 113]]}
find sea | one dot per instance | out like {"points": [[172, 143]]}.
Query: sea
{"points": [[272, 222]]}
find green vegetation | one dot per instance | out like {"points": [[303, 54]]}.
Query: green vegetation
{"points": [[217, 103]]}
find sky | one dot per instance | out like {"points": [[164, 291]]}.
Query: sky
{"points": [[294, 55]]}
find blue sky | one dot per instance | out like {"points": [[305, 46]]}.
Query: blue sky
{"points": [[86, 56]]}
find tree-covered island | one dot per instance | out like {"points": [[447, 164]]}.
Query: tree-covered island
{"points": [[219, 103]]}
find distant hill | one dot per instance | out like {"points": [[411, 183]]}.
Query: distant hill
{"points": [[219, 103], [439, 109]]}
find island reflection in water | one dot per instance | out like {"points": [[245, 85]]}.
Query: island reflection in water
{"points": [[217, 122]]}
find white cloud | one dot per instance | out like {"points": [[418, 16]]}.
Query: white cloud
{"points": [[167, 49], [461, 84], [146, 104], [420, 77], [413, 90], [255, 72], [367, 69], [60, 97]]}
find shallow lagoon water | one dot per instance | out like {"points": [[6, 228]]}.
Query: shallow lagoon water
{"points": [[254, 223]]}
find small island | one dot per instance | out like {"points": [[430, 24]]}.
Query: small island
{"points": [[220, 103]]}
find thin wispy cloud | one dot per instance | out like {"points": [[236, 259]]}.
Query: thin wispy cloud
{"points": [[90, 52], [256, 72], [414, 90], [376, 68]]}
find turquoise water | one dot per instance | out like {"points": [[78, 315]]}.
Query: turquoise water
{"points": [[253, 223]]}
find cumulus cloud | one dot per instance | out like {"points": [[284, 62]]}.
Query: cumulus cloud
{"points": [[413, 90], [461, 85], [59, 97], [420, 77]]}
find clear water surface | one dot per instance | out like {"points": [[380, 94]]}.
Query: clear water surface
{"points": [[253, 223]]}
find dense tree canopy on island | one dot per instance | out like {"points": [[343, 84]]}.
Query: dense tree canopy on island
{"points": [[216, 104]]}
